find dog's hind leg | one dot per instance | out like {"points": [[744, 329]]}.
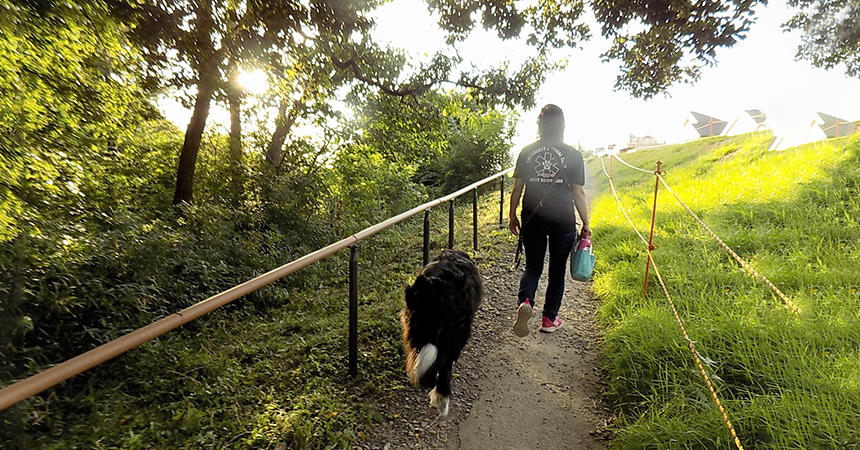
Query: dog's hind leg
{"points": [[440, 396]]}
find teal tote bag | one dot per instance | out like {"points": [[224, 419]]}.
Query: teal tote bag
{"points": [[582, 261]]}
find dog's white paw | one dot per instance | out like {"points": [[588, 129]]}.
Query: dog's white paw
{"points": [[439, 402]]}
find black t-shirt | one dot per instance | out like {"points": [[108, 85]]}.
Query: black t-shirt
{"points": [[548, 171]]}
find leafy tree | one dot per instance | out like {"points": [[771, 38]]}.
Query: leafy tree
{"points": [[830, 33], [197, 44], [305, 82], [67, 94], [479, 144], [446, 139], [661, 43]]}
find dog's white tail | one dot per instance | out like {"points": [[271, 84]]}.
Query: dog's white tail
{"points": [[425, 360]]}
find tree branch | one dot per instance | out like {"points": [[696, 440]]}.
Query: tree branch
{"points": [[356, 72]]}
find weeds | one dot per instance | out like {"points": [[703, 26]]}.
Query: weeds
{"points": [[258, 374]]}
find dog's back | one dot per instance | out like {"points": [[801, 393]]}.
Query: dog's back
{"points": [[437, 321]]}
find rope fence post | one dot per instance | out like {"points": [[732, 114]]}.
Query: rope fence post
{"points": [[610, 165], [690, 345], [451, 223], [501, 201], [610, 147], [653, 217], [475, 219], [353, 310], [426, 236], [746, 266]]}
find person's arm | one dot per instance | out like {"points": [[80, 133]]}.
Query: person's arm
{"points": [[581, 203], [513, 222]]}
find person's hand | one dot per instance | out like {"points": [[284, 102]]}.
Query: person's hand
{"points": [[514, 225], [585, 232]]}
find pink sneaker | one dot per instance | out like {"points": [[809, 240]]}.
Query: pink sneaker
{"points": [[521, 319], [549, 326]]}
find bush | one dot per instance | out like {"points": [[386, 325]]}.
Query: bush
{"points": [[447, 139]]}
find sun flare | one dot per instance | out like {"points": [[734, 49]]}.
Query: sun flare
{"points": [[255, 81]]}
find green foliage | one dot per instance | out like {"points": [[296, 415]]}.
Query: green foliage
{"points": [[830, 34], [447, 140], [361, 176], [479, 146], [65, 97], [660, 44], [90, 249], [270, 369], [785, 380]]}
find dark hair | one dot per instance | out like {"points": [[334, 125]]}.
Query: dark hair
{"points": [[547, 112], [550, 110]]}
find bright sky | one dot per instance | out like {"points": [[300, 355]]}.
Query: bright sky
{"points": [[758, 73]]}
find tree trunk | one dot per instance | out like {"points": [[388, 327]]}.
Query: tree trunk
{"points": [[283, 124], [234, 98], [207, 78], [193, 136]]}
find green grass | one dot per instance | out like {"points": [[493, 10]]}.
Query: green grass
{"points": [[246, 377], [786, 381], [251, 378]]}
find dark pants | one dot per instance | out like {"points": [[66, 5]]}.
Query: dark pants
{"points": [[534, 243]]}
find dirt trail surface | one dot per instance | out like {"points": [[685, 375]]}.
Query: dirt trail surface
{"points": [[541, 391]]}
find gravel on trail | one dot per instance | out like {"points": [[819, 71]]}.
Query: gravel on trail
{"points": [[541, 391]]}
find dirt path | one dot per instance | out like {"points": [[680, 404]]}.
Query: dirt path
{"points": [[539, 391], [511, 393]]}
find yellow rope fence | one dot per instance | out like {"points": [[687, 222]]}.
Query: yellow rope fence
{"points": [[791, 305], [680, 322]]}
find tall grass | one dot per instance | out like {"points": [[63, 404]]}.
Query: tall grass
{"points": [[787, 381]]}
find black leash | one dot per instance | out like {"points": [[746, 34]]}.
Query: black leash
{"points": [[518, 255]]}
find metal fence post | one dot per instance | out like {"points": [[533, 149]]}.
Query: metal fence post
{"points": [[501, 201], [451, 223], [475, 219], [353, 310], [651, 237], [426, 236], [47, 378]]}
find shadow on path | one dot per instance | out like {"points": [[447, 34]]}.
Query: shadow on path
{"points": [[543, 390]]}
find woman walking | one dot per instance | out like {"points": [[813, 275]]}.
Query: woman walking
{"points": [[553, 175]]}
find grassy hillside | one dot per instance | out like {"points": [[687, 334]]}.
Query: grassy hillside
{"points": [[787, 381], [247, 377]]}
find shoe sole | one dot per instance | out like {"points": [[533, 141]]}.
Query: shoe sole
{"points": [[521, 323]]}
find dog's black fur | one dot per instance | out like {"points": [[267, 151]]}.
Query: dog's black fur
{"points": [[437, 321]]}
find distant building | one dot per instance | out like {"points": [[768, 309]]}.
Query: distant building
{"points": [[836, 127], [706, 125], [643, 141], [758, 117]]}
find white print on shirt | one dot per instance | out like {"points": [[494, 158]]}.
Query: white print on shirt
{"points": [[547, 161]]}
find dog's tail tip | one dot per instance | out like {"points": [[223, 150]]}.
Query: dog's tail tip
{"points": [[425, 360]]}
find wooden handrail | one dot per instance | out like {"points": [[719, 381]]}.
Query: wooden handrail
{"points": [[37, 383]]}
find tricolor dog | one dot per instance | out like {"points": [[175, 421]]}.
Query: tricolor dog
{"points": [[437, 322]]}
